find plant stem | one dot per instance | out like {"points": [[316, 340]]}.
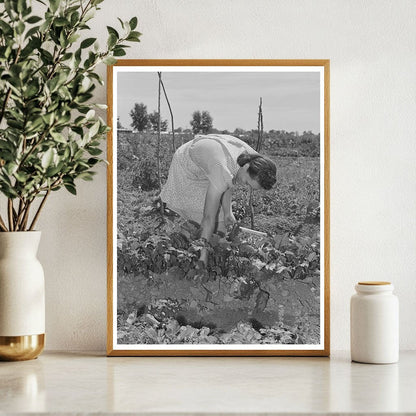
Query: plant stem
{"points": [[2, 224], [35, 145], [39, 209], [17, 216], [10, 213], [25, 216], [3, 109], [21, 212]]}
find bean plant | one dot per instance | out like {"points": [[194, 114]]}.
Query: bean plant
{"points": [[50, 133]]}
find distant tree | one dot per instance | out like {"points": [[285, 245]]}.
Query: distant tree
{"points": [[201, 122], [119, 125], [154, 121], [206, 122], [196, 122], [139, 116], [238, 132], [178, 130]]}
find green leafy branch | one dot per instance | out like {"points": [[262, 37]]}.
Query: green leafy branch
{"points": [[50, 134]]}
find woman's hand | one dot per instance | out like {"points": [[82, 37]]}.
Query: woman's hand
{"points": [[229, 220], [204, 256]]}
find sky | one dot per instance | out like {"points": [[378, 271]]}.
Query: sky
{"points": [[290, 99]]}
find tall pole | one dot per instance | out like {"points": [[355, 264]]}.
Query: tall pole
{"points": [[258, 148], [171, 113], [158, 135]]}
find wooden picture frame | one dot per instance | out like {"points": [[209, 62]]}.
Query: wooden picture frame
{"points": [[159, 332]]}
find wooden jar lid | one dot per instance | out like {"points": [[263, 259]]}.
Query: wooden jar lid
{"points": [[374, 283]]}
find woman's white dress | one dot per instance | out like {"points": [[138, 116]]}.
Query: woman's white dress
{"points": [[206, 159]]}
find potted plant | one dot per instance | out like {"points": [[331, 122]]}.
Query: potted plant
{"points": [[50, 136]]}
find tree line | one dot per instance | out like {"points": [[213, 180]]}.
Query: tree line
{"points": [[201, 121]]}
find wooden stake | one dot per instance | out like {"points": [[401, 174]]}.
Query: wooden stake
{"points": [[171, 113], [258, 148], [158, 143]]}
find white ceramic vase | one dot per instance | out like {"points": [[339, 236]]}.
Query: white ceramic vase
{"points": [[22, 296]]}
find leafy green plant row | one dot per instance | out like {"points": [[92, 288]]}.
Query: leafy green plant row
{"points": [[235, 255]]}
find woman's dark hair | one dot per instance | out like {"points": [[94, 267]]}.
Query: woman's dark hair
{"points": [[260, 168]]}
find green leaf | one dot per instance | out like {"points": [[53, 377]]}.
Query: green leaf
{"points": [[20, 27], [8, 190], [73, 38], [53, 83], [27, 11], [119, 52], [21, 177], [58, 137], [35, 125], [87, 42], [112, 41], [67, 153], [21, 6], [133, 23], [82, 98], [6, 29], [48, 118], [110, 60], [54, 4], [90, 14], [78, 154], [33, 19], [46, 56], [121, 22], [111, 30], [61, 21], [16, 124], [86, 176], [90, 114], [94, 129], [52, 171], [134, 36], [70, 188], [92, 161], [11, 168], [47, 158], [10, 7], [31, 90], [31, 32], [94, 151], [63, 41]]}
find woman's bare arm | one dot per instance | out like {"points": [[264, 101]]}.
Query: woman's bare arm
{"points": [[212, 204], [226, 202]]}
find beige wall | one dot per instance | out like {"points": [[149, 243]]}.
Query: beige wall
{"points": [[371, 45]]}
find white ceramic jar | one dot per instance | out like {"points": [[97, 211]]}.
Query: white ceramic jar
{"points": [[374, 323]]}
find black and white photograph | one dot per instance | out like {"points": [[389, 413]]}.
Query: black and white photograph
{"points": [[218, 208]]}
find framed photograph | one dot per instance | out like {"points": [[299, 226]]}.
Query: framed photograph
{"points": [[218, 208]]}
